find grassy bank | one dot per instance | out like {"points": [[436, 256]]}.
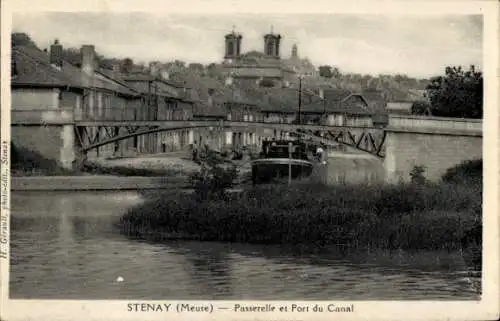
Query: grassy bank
{"points": [[428, 216]]}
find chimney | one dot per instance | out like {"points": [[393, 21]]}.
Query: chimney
{"points": [[88, 59], [56, 55]]}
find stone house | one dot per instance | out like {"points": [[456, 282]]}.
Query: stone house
{"points": [[49, 95], [162, 100], [339, 108]]}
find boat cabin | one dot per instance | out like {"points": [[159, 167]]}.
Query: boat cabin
{"points": [[280, 149]]}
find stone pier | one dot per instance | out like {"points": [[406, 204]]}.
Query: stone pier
{"points": [[434, 143]]}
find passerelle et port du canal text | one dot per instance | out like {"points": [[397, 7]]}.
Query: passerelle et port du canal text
{"points": [[237, 307]]}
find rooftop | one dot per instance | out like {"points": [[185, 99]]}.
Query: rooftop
{"points": [[33, 68]]}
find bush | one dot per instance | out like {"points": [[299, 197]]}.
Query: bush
{"points": [[417, 174], [406, 216], [213, 179], [421, 108], [470, 171]]}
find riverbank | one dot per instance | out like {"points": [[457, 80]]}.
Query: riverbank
{"points": [[408, 217], [96, 183], [27, 163]]}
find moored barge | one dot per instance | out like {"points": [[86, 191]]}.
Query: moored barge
{"points": [[275, 159]]}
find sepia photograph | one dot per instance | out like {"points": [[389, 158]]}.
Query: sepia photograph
{"points": [[245, 156]]}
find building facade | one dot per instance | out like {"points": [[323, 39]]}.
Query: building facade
{"points": [[162, 100], [48, 90], [49, 95]]}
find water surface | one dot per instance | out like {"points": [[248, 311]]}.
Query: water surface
{"points": [[64, 246]]}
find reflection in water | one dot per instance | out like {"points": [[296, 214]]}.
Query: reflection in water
{"points": [[215, 265], [64, 246]]}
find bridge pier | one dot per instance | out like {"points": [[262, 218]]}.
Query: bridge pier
{"points": [[54, 142], [432, 142]]}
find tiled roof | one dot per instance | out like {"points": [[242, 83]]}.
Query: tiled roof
{"points": [[221, 93], [202, 109], [200, 94], [148, 77], [286, 99], [375, 99], [335, 107], [33, 69], [332, 94], [257, 72]]}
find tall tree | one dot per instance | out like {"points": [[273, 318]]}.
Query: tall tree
{"points": [[421, 108], [325, 71], [458, 93], [127, 65], [21, 39]]}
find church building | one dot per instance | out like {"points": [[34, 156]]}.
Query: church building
{"points": [[254, 66]]}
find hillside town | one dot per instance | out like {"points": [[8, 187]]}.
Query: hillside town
{"points": [[244, 86]]}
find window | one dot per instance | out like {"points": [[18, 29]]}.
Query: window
{"points": [[171, 104], [230, 48], [269, 48], [106, 105]]}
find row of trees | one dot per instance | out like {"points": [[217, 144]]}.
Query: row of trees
{"points": [[459, 93]]}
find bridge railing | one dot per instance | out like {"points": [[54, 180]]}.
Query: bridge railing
{"points": [[434, 123]]}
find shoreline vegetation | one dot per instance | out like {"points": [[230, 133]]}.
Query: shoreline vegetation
{"points": [[419, 215]]}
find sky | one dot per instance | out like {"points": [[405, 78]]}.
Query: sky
{"points": [[415, 45]]}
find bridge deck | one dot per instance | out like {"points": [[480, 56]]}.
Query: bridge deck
{"points": [[217, 123]]}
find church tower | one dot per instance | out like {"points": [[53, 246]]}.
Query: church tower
{"points": [[233, 45], [272, 45]]}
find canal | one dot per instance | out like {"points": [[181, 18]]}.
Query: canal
{"points": [[64, 246]]}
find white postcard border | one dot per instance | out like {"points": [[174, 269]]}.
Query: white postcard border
{"points": [[485, 309]]}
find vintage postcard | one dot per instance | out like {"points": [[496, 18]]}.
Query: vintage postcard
{"points": [[249, 160]]}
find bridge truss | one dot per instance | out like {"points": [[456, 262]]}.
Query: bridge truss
{"points": [[366, 139]]}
